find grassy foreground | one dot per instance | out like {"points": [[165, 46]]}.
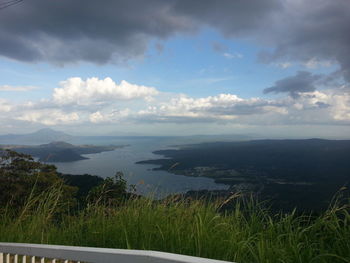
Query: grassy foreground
{"points": [[249, 233]]}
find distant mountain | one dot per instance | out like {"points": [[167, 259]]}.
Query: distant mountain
{"points": [[45, 135], [49, 135]]}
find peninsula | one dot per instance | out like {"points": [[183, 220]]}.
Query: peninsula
{"points": [[60, 151]]}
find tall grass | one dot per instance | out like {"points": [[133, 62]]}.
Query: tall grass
{"points": [[248, 233]]}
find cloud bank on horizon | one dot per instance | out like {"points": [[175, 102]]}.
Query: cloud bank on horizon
{"points": [[312, 33]]}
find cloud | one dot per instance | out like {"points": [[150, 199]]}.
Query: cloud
{"points": [[224, 51], [16, 88], [85, 30], [314, 63], [329, 107], [232, 55], [283, 65], [94, 102], [114, 30], [96, 117], [302, 81], [223, 107], [5, 106], [49, 117], [313, 32], [94, 90], [233, 18], [109, 117]]}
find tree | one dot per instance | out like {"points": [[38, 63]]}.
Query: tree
{"points": [[112, 190], [22, 177]]}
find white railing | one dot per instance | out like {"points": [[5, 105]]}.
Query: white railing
{"points": [[35, 253]]}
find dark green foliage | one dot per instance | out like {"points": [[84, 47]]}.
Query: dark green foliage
{"points": [[84, 183], [22, 177], [110, 191], [248, 233]]}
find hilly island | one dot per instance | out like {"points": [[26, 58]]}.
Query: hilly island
{"points": [[304, 173], [60, 151]]}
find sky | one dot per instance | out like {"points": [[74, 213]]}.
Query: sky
{"points": [[275, 68]]}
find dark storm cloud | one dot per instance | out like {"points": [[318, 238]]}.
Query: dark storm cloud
{"points": [[112, 30], [303, 81], [232, 17], [312, 29], [96, 31], [117, 30]]}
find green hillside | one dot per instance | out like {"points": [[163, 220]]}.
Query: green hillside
{"points": [[38, 205]]}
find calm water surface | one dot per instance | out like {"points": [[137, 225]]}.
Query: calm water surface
{"points": [[124, 159]]}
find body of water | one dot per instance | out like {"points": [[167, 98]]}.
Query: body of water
{"points": [[147, 180]]}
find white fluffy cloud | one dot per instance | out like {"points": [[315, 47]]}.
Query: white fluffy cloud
{"points": [[213, 108], [49, 117], [94, 90], [109, 117], [329, 107], [4, 106], [101, 102], [334, 104], [96, 117]]}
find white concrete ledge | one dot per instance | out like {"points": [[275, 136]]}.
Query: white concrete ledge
{"points": [[98, 255]]}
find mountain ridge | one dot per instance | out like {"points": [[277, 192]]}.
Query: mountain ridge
{"points": [[45, 135]]}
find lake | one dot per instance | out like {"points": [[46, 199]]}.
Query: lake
{"points": [[147, 181]]}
